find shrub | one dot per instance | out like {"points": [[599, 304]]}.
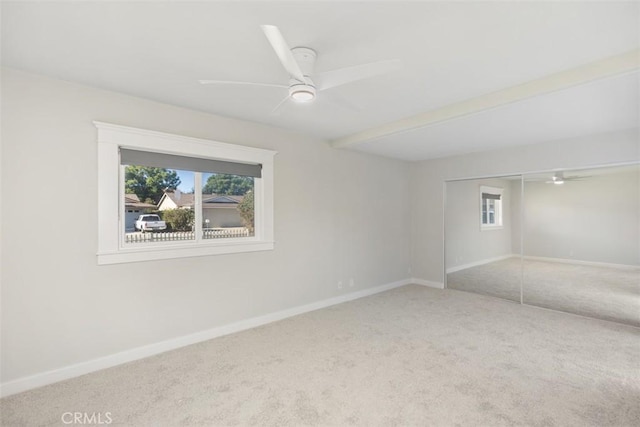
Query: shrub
{"points": [[179, 219], [246, 210]]}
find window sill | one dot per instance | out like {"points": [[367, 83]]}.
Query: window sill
{"points": [[490, 227], [191, 250]]}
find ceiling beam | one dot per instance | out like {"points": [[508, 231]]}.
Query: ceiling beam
{"points": [[608, 67]]}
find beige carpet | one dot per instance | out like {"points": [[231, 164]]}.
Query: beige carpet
{"points": [[604, 292], [410, 356]]}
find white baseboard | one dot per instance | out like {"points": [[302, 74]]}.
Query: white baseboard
{"points": [[579, 262], [480, 262], [67, 372], [429, 283]]}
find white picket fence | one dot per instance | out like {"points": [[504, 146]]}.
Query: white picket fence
{"points": [[225, 233], [175, 236]]}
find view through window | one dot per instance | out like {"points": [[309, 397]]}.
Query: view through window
{"points": [[165, 205], [227, 206]]}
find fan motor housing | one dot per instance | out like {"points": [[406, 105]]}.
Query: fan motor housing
{"points": [[302, 92], [306, 59]]}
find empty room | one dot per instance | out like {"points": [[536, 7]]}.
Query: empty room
{"points": [[322, 213]]}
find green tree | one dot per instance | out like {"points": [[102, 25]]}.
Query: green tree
{"points": [[149, 183], [228, 184], [179, 219], [245, 207]]}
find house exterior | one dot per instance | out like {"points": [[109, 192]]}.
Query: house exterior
{"points": [[133, 208], [218, 210]]}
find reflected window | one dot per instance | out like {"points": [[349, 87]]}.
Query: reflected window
{"points": [[490, 208]]}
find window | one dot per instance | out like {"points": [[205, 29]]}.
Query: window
{"points": [[168, 196], [490, 208]]}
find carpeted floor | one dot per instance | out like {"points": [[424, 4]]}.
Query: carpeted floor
{"points": [[410, 356], [604, 292]]}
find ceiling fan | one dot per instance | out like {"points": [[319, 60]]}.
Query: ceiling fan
{"points": [[299, 62], [558, 178]]}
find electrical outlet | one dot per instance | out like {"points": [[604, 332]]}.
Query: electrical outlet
{"points": [[340, 284], [352, 283]]}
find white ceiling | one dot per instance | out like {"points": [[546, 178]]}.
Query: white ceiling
{"points": [[451, 52], [598, 107]]}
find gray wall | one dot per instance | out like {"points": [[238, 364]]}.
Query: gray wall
{"points": [[466, 243], [60, 308], [591, 220], [427, 179]]}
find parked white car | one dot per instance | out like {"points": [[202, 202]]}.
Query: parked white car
{"points": [[150, 222]]}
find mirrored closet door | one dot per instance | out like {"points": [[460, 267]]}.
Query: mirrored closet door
{"points": [[581, 234], [482, 239], [563, 240]]}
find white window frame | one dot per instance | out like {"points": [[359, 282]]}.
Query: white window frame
{"points": [[111, 246], [499, 208]]}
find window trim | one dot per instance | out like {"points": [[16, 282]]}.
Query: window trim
{"points": [[499, 209], [111, 185]]}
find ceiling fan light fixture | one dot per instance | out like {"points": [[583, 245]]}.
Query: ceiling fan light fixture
{"points": [[302, 93]]}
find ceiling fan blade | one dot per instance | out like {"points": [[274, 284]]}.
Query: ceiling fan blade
{"points": [[576, 178], [342, 76], [230, 82], [276, 110], [283, 51]]}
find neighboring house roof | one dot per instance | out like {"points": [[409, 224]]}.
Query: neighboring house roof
{"points": [[215, 198], [179, 199], [133, 201], [186, 200]]}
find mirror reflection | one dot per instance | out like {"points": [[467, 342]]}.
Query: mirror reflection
{"points": [[581, 242], [564, 240], [482, 250]]}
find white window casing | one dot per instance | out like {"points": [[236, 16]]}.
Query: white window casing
{"points": [[111, 247], [495, 194]]}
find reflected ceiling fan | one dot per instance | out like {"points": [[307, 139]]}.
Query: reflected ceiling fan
{"points": [[299, 62], [558, 178]]}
